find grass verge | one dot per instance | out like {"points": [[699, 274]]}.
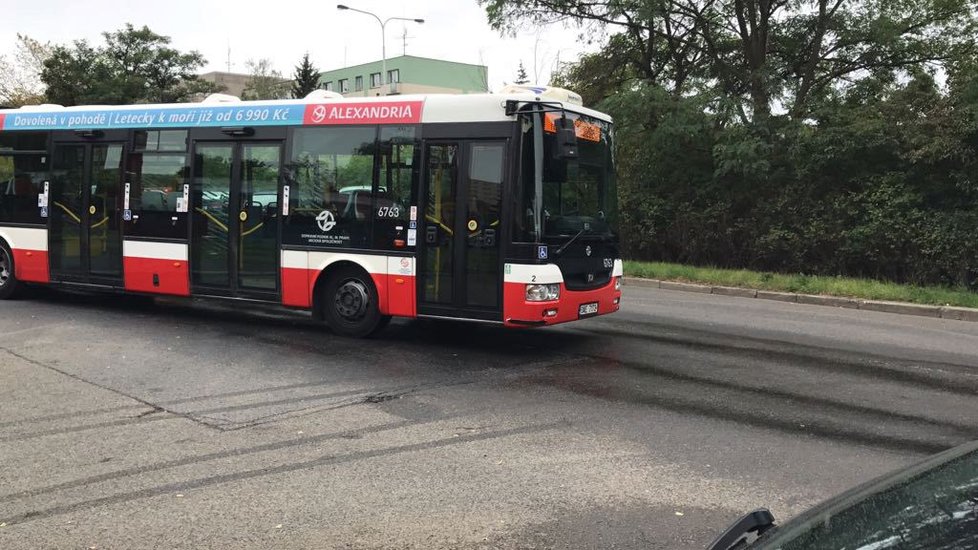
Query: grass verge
{"points": [[866, 289]]}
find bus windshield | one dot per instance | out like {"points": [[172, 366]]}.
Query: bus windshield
{"points": [[579, 194]]}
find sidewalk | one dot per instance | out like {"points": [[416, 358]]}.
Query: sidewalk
{"points": [[902, 308]]}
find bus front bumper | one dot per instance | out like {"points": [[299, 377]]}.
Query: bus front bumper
{"points": [[570, 306]]}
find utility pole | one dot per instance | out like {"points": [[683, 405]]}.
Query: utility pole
{"points": [[383, 39]]}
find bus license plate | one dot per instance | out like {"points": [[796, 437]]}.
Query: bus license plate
{"points": [[587, 309]]}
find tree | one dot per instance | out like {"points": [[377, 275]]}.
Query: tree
{"points": [[818, 136], [758, 54], [133, 66], [20, 77], [521, 77], [265, 82], [305, 79]]}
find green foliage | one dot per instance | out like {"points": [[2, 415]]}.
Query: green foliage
{"points": [[133, 66], [265, 82], [849, 287], [521, 77], [305, 79], [823, 137], [20, 73]]}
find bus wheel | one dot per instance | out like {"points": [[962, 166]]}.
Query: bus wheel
{"points": [[8, 283], [350, 303]]}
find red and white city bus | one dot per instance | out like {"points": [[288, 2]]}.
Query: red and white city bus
{"points": [[497, 208]]}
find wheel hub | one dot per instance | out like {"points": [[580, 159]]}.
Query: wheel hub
{"points": [[351, 300]]}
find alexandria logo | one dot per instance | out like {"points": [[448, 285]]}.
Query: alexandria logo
{"points": [[318, 113], [364, 113], [370, 112]]}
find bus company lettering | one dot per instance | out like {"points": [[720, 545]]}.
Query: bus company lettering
{"points": [[86, 120], [133, 119], [388, 112], [325, 238], [357, 113], [33, 120], [252, 115]]}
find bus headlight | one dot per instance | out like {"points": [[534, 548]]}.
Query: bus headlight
{"points": [[542, 293], [617, 283]]}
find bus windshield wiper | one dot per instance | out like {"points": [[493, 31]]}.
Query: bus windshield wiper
{"points": [[561, 250]]}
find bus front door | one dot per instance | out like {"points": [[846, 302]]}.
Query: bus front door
{"points": [[460, 264], [85, 222], [234, 229]]}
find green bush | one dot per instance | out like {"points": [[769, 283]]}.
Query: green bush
{"points": [[881, 183]]}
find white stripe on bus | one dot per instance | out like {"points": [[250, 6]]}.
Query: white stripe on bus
{"points": [[25, 238], [155, 250], [532, 273], [318, 261]]}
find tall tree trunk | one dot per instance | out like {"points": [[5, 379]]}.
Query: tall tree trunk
{"points": [[753, 24]]}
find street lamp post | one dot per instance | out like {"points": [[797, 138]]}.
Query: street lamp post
{"points": [[383, 39]]}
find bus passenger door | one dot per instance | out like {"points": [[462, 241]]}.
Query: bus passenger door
{"points": [[234, 226], [460, 264], [84, 212]]}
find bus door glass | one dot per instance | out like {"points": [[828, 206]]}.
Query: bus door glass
{"points": [[234, 196], [83, 207], [460, 250]]}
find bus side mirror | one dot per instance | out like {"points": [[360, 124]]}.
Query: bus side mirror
{"points": [[566, 139]]}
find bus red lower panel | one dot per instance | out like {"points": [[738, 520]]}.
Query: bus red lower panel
{"points": [[395, 294], [380, 283], [401, 296], [296, 287], [519, 312], [31, 265], [156, 276]]}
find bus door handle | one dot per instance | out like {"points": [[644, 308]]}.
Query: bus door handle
{"points": [[431, 234]]}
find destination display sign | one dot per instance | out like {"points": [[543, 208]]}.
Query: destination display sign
{"points": [[380, 112]]}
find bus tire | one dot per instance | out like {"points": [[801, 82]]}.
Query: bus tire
{"points": [[350, 303], [384, 321], [8, 282]]}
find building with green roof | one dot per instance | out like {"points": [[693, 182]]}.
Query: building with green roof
{"points": [[407, 74]]}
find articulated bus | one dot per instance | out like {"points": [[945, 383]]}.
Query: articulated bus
{"points": [[492, 207]]}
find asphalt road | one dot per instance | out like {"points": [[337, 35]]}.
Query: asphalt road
{"points": [[130, 425]]}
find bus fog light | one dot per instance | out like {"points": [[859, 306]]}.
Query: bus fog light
{"points": [[542, 293], [550, 313], [617, 300]]}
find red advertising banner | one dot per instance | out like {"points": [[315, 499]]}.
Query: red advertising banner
{"points": [[1, 121], [374, 112]]}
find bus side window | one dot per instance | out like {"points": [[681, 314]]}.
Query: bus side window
{"points": [[155, 185], [398, 152], [22, 177], [330, 177]]}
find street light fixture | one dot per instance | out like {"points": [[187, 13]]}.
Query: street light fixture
{"points": [[383, 38]]}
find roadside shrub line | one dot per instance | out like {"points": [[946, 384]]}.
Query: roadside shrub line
{"points": [[847, 287]]}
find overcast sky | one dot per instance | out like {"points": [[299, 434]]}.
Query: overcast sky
{"points": [[283, 30]]}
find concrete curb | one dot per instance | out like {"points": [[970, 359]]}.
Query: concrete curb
{"points": [[959, 313], [900, 308], [686, 287]]}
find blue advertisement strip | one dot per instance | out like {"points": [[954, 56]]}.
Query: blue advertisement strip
{"points": [[197, 116]]}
